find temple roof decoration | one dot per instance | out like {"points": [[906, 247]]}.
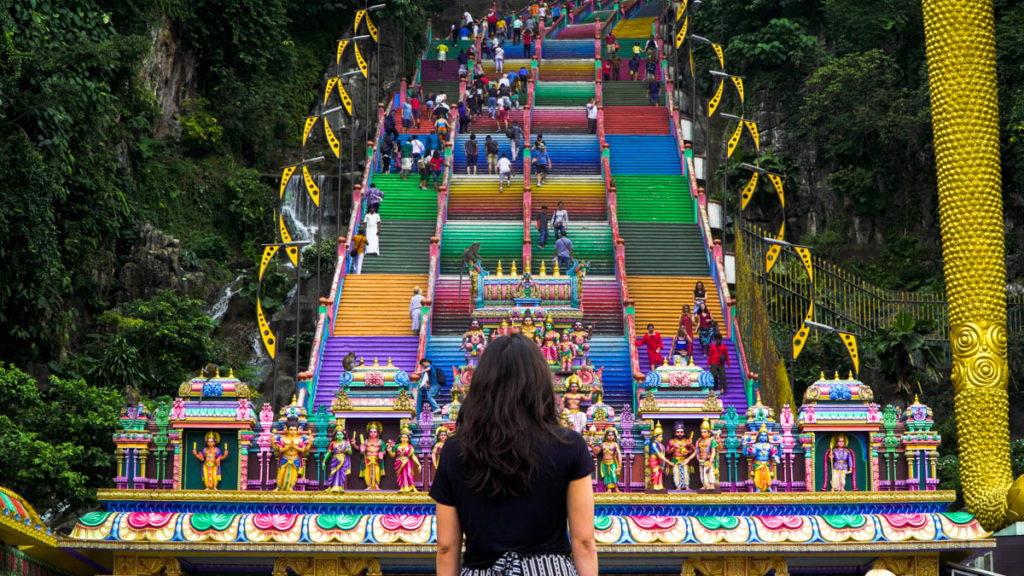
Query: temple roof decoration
{"points": [[20, 524]]}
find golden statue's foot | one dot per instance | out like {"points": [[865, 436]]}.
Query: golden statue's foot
{"points": [[1015, 502]]}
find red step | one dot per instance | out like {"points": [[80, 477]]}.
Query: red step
{"points": [[646, 120], [559, 121]]}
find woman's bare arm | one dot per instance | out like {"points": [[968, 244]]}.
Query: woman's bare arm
{"points": [[581, 526], [449, 540]]}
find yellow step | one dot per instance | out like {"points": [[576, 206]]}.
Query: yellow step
{"points": [[377, 304], [661, 299]]}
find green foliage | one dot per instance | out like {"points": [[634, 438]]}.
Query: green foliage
{"points": [[327, 250], [904, 356], [172, 336], [305, 346], [276, 285], [56, 439], [199, 129], [776, 52]]}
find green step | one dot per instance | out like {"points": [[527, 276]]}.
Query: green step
{"points": [[602, 14], [626, 93], [590, 241], [563, 93], [404, 247], [403, 199], [453, 48], [449, 87], [663, 249], [654, 199], [498, 241], [625, 48]]}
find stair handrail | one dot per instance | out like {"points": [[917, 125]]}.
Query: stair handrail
{"points": [[527, 188]]}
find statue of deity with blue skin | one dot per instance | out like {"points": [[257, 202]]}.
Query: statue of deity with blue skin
{"points": [[840, 463], [765, 456]]}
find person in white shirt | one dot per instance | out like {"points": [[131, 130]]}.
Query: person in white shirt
{"points": [[417, 147], [499, 60], [467, 18], [504, 172], [592, 116], [517, 31], [560, 221]]}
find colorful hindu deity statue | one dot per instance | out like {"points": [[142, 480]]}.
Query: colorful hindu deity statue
{"points": [[839, 463], [372, 469], [580, 337], [656, 460], [707, 457], [527, 288], [211, 457], [406, 462], [572, 403], [473, 343], [529, 329], [338, 460], [566, 352], [435, 452], [291, 446], [765, 456], [609, 455], [503, 330], [550, 346], [681, 452]]}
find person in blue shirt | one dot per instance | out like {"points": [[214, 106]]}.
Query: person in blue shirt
{"points": [[543, 162]]}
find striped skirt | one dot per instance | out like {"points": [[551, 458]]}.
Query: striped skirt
{"points": [[512, 564]]}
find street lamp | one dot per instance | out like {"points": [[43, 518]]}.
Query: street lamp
{"points": [[298, 308]]}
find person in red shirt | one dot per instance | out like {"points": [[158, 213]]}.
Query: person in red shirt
{"points": [[718, 359], [653, 342], [606, 70], [610, 39]]}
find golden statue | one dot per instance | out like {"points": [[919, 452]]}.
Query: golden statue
{"points": [[291, 447], [211, 457]]}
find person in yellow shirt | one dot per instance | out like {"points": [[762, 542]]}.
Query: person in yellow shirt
{"points": [[442, 55]]}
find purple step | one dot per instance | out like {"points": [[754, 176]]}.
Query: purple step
{"points": [[734, 393], [401, 350], [449, 70]]}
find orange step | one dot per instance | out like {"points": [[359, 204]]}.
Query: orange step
{"points": [[661, 299], [377, 304]]}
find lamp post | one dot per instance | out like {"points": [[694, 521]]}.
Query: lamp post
{"points": [[725, 168], [298, 309], [337, 226], [759, 170], [693, 92]]}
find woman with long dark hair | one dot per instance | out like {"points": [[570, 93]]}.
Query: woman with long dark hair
{"points": [[512, 479]]}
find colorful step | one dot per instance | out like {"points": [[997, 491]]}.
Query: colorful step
{"points": [[498, 241], [636, 27], [591, 241], [554, 49], [583, 197], [660, 155], [563, 93], [572, 154], [602, 304], [504, 147], [404, 247], [376, 304], [403, 199], [664, 249], [567, 70], [628, 93], [452, 306], [653, 199], [400, 350], [477, 198], [642, 120], [559, 120]]}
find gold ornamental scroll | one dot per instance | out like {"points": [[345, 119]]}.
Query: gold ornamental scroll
{"points": [[372, 29], [307, 128], [960, 50], [268, 255], [360, 60], [738, 82], [748, 191], [346, 101], [330, 86], [774, 250], [850, 341], [752, 128], [341, 50], [286, 176], [681, 35], [805, 257], [311, 187], [332, 139], [735, 139], [777, 183], [718, 52], [359, 18], [292, 251], [800, 338], [681, 9], [713, 105], [266, 334]]}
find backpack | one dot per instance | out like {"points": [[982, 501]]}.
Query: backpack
{"points": [[440, 378], [510, 133]]}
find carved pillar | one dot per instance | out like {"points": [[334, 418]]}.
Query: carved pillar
{"points": [[909, 565], [133, 565], [327, 566], [807, 441], [733, 566]]}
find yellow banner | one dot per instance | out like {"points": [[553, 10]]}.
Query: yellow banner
{"points": [[691, 63], [359, 18], [800, 338], [777, 183], [739, 85], [773, 253], [285, 177], [748, 191], [360, 60], [805, 257], [269, 340], [682, 32], [721, 55], [268, 255], [752, 127], [345, 100], [293, 252], [371, 28], [309, 126], [735, 139], [680, 10], [715, 99], [311, 187], [341, 50], [851, 346], [332, 139], [330, 86]]}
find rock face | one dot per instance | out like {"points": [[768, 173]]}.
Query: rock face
{"points": [[153, 265], [170, 73]]}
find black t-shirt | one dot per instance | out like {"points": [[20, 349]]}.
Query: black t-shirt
{"points": [[533, 522]]}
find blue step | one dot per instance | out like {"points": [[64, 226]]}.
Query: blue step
{"points": [[734, 393], [652, 155], [568, 49], [573, 153], [504, 146]]}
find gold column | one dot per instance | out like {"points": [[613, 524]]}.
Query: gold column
{"points": [[327, 566], [909, 565], [734, 566], [960, 44], [134, 565]]}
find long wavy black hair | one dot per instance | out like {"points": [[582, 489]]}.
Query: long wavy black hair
{"points": [[509, 413]]}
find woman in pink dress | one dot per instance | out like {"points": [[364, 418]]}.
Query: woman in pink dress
{"points": [[405, 458]]}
